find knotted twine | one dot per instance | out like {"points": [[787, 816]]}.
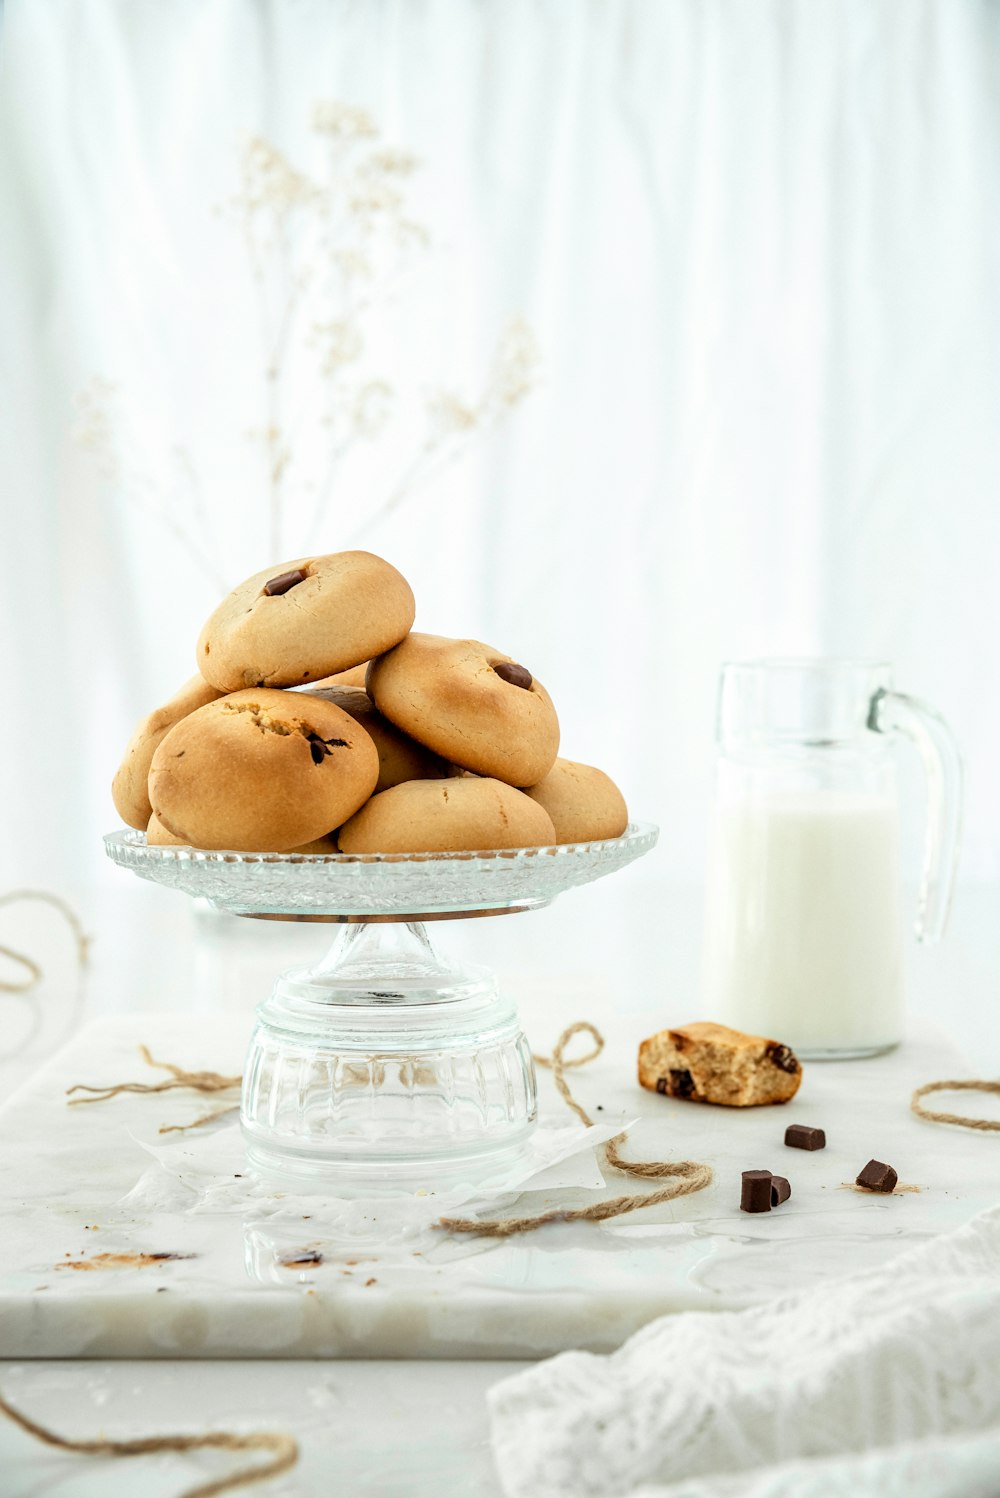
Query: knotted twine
{"points": [[284, 1446], [686, 1176], [966, 1085]]}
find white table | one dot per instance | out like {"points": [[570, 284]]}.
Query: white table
{"points": [[625, 956]]}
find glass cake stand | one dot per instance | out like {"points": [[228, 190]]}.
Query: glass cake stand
{"points": [[386, 1060]]}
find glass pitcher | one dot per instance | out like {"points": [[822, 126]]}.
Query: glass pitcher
{"points": [[803, 920]]}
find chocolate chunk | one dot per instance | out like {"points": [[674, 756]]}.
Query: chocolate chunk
{"points": [[802, 1137], [320, 748], [681, 1084], [284, 582], [780, 1190], [677, 1083], [783, 1057], [518, 676], [877, 1176], [755, 1195]]}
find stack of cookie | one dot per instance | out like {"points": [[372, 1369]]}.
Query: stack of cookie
{"points": [[318, 723]]}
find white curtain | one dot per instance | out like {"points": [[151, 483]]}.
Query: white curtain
{"points": [[756, 242]]}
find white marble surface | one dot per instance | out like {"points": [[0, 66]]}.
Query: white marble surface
{"points": [[79, 1183], [624, 954]]}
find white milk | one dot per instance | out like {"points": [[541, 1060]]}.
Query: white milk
{"points": [[802, 937]]}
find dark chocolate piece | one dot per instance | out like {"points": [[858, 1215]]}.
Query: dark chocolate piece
{"points": [[783, 1057], [803, 1137], [681, 1083], [320, 748], [677, 1083], [518, 676], [780, 1190], [284, 582], [877, 1176], [755, 1195]]}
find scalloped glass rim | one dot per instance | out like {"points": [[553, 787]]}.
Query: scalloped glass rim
{"points": [[359, 884]]}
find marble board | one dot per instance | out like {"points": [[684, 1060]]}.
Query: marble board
{"points": [[118, 1240]]}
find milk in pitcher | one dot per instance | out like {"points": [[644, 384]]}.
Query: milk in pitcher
{"points": [[802, 935]]}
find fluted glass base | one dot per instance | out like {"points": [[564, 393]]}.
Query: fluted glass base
{"points": [[387, 1064]]}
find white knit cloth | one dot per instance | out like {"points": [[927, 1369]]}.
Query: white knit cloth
{"points": [[884, 1384]]}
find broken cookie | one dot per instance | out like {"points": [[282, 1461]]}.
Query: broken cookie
{"points": [[709, 1063]]}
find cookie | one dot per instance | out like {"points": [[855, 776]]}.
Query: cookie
{"points": [[399, 757], [157, 836], [301, 621], [709, 1063], [128, 789], [355, 677], [261, 771], [447, 816], [471, 704], [585, 804]]}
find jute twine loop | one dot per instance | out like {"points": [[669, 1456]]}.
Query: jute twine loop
{"points": [[284, 1446], [986, 1124], [33, 971], [686, 1175]]}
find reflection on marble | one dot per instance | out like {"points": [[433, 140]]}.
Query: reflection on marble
{"points": [[96, 1202]]}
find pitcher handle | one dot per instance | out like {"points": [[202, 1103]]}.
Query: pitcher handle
{"points": [[943, 768]]}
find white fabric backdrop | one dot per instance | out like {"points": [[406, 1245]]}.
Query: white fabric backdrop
{"points": [[757, 244]]}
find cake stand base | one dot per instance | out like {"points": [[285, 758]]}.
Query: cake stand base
{"points": [[387, 1064]]}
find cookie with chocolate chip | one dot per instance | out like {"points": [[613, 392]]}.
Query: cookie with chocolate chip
{"points": [[399, 757], [128, 789], [447, 816], [353, 677], [261, 771], [469, 703], [710, 1063], [157, 836], [585, 804], [298, 622]]}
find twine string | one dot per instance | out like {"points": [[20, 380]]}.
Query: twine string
{"points": [[33, 970], [284, 1446], [198, 1081], [685, 1176], [20, 985], [964, 1085], [197, 1123]]}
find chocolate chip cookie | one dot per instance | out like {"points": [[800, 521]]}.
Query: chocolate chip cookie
{"points": [[585, 804], [471, 704], [447, 816], [128, 789], [261, 771], [399, 757], [300, 621]]}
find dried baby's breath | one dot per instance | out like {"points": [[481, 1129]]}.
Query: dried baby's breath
{"points": [[342, 121], [327, 247]]}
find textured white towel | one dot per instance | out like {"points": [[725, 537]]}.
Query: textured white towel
{"points": [[901, 1363]]}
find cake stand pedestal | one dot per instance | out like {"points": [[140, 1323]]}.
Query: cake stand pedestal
{"points": [[385, 1062]]}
